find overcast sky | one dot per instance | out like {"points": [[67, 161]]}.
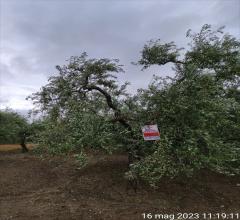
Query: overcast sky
{"points": [[35, 36]]}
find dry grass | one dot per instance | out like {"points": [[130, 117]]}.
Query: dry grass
{"points": [[10, 147]]}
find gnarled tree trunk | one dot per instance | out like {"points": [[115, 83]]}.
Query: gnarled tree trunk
{"points": [[23, 142]]}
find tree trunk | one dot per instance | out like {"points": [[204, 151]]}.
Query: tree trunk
{"points": [[118, 116], [23, 143]]}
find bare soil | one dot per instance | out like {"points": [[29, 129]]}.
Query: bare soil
{"points": [[57, 189]]}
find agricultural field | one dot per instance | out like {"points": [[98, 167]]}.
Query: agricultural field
{"points": [[167, 148], [57, 188], [12, 147]]}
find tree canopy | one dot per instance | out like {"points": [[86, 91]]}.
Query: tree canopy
{"points": [[12, 125], [197, 110]]}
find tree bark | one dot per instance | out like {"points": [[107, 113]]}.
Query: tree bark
{"points": [[117, 114], [23, 143]]}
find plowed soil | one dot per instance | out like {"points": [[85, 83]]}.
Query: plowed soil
{"points": [[58, 189]]}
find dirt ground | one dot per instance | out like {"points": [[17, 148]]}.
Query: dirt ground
{"points": [[57, 189]]}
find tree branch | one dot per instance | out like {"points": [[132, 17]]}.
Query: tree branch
{"points": [[117, 112]]}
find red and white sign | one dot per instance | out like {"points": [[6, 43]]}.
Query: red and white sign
{"points": [[150, 132]]}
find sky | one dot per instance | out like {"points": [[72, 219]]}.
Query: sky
{"points": [[35, 36]]}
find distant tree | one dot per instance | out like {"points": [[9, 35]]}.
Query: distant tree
{"points": [[13, 129]]}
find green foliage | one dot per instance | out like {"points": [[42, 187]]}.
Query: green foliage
{"points": [[11, 125], [81, 159], [55, 138], [79, 129], [158, 164], [81, 105], [197, 111], [156, 53], [199, 119], [209, 50]]}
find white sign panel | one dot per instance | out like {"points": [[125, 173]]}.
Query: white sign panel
{"points": [[150, 132]]}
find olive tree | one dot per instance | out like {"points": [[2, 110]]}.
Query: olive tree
{"points": [[86, 96], [13, 129], [198, 110]]}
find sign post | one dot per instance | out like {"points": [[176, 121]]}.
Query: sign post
{"points": [[150, 132]]}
